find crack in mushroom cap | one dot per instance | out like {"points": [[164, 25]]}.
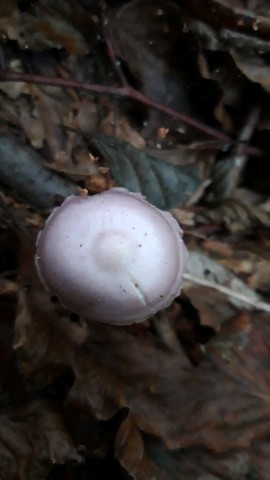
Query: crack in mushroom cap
{"points": [[112, 257]]}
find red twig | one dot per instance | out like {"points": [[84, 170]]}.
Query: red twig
{"points": [[125, 91], [223, 140]]}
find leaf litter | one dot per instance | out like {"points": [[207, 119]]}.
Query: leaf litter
{"points": [[170, 99]]}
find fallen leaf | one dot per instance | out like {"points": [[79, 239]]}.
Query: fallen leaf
{"points": [[32, 439], [163, 184]]}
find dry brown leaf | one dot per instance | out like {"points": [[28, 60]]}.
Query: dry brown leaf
{"points": [[213, 307], [87, 116], [121, 128], [14, 89], [33, 128], [51, 112], [212, 404], [253, 66], [10, 20], [32, 439], [114, 367], [131, 453], [44, 337], [199, 463], [46, 31]]}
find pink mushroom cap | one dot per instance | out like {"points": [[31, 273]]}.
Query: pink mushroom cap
{"points": [[111, 257]]}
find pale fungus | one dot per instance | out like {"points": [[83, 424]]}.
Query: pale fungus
{"points": [[111, 257]]}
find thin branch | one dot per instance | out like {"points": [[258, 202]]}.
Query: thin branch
{"points": [[214, 145], [125, 91], [114, 60], [257, 304], [240, 157]]}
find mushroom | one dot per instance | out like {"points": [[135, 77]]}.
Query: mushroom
{"points": [[112, 257]]}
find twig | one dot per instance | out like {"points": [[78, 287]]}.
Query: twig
{"points": [[257, 304], [115, 62], [226, 175], [240, 158], [249, 126], [125, 91], [214, 145]]}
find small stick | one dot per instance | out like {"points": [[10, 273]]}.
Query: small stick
{"points": [[125, 91], [257, 304]]}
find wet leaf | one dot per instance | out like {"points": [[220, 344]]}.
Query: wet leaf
{"points": [[163, 184], [48, 32]]}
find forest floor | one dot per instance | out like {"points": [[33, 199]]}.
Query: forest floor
{"points": [[170, 99]]}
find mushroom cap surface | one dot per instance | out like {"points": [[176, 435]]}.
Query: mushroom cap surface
{"points": [[112, 257]]}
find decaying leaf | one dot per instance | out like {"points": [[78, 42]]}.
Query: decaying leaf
{"points": [[32, 439], [201, 267], [49, 32], [212, 404], [235, 215], [132, 455], [253, 67]]}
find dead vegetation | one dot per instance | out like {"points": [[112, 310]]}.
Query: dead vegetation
{"points": [[170, 98]]}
